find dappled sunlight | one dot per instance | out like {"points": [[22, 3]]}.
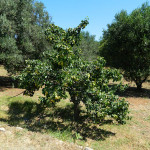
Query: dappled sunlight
{"points": [[34, 117]]}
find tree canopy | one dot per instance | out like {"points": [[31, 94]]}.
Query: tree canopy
{"points": [[63, 70], [126, 44], [88, 45], [22, 32]]}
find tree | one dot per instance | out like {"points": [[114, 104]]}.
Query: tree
{"points": [[88, 45], [63, 70], [22, 32], [126, 44]]}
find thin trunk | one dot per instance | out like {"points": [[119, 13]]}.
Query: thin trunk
{"points": [[76, 109]]}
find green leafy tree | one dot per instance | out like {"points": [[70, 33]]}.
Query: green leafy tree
{"points": [[22, 32], [65, 71], [89, 46], [126, 44]]}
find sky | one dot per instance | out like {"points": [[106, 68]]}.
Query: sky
{"points": [[69, 13]]}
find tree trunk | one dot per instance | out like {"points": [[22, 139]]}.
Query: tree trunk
{"points": [[76, 109], [139, 86]]}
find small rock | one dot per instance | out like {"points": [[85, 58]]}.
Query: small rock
{"points": [[8, 132], [61, 142], [88, 148], [2, 129], [80, 147], [19, 128]]}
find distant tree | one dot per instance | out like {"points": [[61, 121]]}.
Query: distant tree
{"points": [[64, 71], [126, 44], [88, 45], [22, 27]]}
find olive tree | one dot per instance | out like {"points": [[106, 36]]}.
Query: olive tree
{"points": [[22, 37]]}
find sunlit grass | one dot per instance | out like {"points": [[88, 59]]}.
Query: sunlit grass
{"points": [[3, 72]]}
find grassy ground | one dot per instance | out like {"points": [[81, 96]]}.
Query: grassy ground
{"points": [[42, 127]]}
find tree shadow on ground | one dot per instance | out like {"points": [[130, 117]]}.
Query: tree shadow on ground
{"points": [[133, 92], [36, 118], [7, 82]]}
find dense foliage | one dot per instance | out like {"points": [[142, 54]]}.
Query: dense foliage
{"points": [[65, 71], [126, 44], [22, 26], [89, 46]]}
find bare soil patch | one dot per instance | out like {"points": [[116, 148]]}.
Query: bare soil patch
{"points": [[6, 91], [135, 102]]}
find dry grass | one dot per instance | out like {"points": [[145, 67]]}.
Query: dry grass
{"points": [[39, 131], [3, 72], [16, 139], [133, 135], [107, 136]]}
